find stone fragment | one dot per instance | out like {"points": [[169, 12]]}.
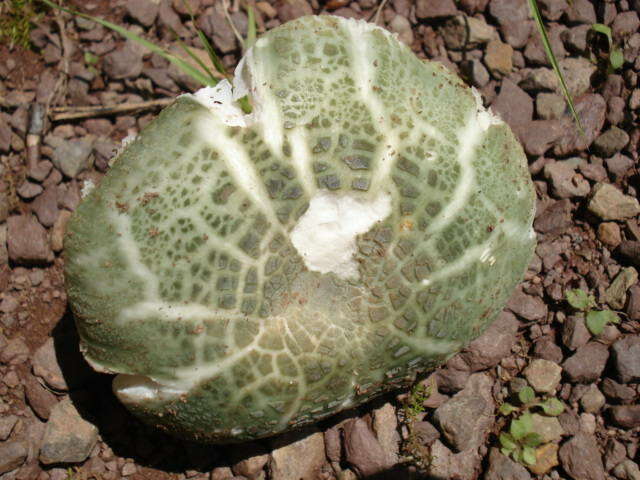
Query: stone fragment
{"points": [[28, 190], [626, 358], [27, 241], [625, 24], [73, 156], [616, 294], [46, 206], [39, 398], [581, 11], [7, 422], [575, 38], [587, 364], [461, 31], [577, 72], [254, 461], [143, 11], [544, 376], [547, 349], [592, 400], [425, 433], [538, 136], [574, 332], [565, 181], [626, 416], [609, 203], [302, 458], [45, 365], [581, 458], [68, 438], [59, 229], [542, 78], [592, 110], [465, 419], [125, 62], [618, 165], [550, 106], [555, 217], [526, 306], [546, 458], [617, 391], [609, 234], [426, 9], [627, 470], [498, 58], [513, 104], [446, 464], [402, 27], [503, 468], [535, 52], [14, 352], [493, 345], [12, 454], [385, 425], [475, 71], [615, 110], [548, 428], [363, 451], [610, 141], [292, 9], [514, 19]]}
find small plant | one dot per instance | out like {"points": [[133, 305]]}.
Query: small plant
{"points": [[596, 320], [413, 406], [521, 440], [615, 57], [16, 20]]}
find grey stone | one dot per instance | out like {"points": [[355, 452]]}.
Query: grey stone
{"points": [[535, 52], [582, 11], [144, 11], [550, 106], [446, 464], [476, 72], [503, 468], [27, 241], [615, 110], [73, 156], [461, 32], [577, 72], [68, 438], [626, 358], [576, 38], [610, 141], [301, 458], [425, 433], [363, 450], [45, 365], [547, 349], [28, 190], [592, 400], [402, 27], [527, 306], [538, 136], [574, 332], [12, 454], [627, 470], [536, 79], [592, 111], [544, 376], [426, 9], [626, 416], [581, 458], [45, 206], [513, 104], [625, 24], [548, 428], [587, 364], [493, 345], [465, 419], [385, 425], [618, 166], [617, 391], [609, 203], [514, 19], [565, 181]]}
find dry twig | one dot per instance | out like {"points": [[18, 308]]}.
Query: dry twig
{"points": [[71, 113]]}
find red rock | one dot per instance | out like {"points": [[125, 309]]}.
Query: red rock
{"points": [[27, 241]]}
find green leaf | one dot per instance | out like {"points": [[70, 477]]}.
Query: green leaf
{"points": [[532, 439], [190, 70], [506, 409], [506, 452], [507, 441], [533, 5], [90, 58], [604, 29], [251, 29], [529, 455], [597, 319], [526, 395], [212, 80], [616, 59], [521, 426], [580, 300], [552, 407]]}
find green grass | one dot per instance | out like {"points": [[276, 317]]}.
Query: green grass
{"points": [[16, 20]]}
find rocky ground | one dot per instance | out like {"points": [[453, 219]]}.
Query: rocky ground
{"points": [[58, 419]]}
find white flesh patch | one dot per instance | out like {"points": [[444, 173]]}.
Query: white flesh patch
{"points": [[221, 100], [138, 388], [325, 236]]}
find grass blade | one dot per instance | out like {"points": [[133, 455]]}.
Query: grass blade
{"points": [[193, 72], [213, 80], [217, 63], [251, 29], [554, 61]]}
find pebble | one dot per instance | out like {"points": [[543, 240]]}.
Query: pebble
{"points": [[546, 348], [592, 400], [385, 425], [513, 104], [27, 241], [550, 106], [45, 206], [581, 11], [143, 11], [526, 306], [544, 376], [39, 398], [626, 358], [609, 203], [592, 110], [538, 136], [616, 295], [574, 332], [292, 9], [28, 190], [609, 233], [536, 79], [68, 438], [446, 464], [514, 19], [255, 458], [427, 9], [546, 458], [493, 345], [59, 229], [611, 141], [535, 52], [125, 62], [618, 165], [581, 458], [617, 391], [498, 58], [548, 428], [575, 39], [587, 364], [615, 110], [73, 156], [14, 352], [45, 365], [363, 451], [476, 72], [463, 32], [7, 422], [626, 416], [625, 24], [502, 467], [627, 470], [12, 454], [301, 458], [565, 181], [425, 432], [465, 419], [577, 72], [402, 27]]}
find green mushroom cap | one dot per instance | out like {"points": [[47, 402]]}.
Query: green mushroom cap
{"points": [[245, 274]]}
